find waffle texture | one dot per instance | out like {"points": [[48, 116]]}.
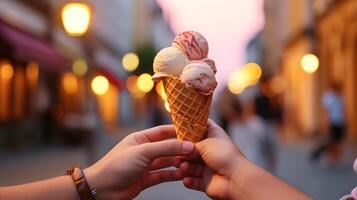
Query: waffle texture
{"points": [[189, 109]]}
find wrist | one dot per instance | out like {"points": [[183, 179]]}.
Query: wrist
{"points": [[239, 177], [81, 182], [235, 165], [93, 179]]}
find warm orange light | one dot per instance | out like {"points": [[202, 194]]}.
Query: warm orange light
{"points": [[278, 85], [167, 106], [19, 93], [237, 82], [131, 84], [76, 18], [145, 84], [309, 63], [160, 90], [70, 83], [253, 72], [100, 85], [6, 71], [108, 106], [79, 67], [32, 73], [130, 62]]}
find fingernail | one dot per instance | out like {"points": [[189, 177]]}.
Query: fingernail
{"points": [[187, 147]]}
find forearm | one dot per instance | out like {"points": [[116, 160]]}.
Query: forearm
{"points": [[252, 182], [56, 188]]}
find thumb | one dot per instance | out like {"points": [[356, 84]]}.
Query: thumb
{"points": [[172, 147]]}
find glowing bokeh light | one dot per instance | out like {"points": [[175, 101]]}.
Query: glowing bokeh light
{"points": [[309, 63], [167, 106], [6, 70], [237, 83], [131, 84], [248, 75], [100, 85], [145, 84], [253, 72], [160, 90], [70, 83], [130, 62], [32, 73], [79, 67], [76, 18]]}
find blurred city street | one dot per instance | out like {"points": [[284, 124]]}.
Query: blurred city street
{"points": [[279, 77]]}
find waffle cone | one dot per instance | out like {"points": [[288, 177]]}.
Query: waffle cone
{"points": [[189, 109]]}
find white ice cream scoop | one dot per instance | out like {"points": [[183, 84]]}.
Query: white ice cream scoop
{"points": [[169, 61]]}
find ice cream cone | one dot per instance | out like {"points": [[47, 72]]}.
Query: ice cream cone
{"points": [[189, 109]]}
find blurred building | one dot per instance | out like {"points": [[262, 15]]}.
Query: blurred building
{"points": [[322, 27], [31, 68], [46, 75], [254, 51], [337, 46]]}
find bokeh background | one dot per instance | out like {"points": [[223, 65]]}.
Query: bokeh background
{"points": [[76, 80]]}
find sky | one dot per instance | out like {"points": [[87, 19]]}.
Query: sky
{"points": [[228, 25]]}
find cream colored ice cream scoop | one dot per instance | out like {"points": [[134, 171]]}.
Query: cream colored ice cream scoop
{"points": [[169, 61], [199, 75]]}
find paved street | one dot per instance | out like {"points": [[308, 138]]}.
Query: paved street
{"points": [[320, 181]]}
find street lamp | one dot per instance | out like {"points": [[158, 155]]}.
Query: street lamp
{"points": [[145, 84], [100, 85], [70, 83], [6, 71], [309, 63], [80, 67], [130, 62], [76, 18], [236, 83], [252, 72], [131, 84]]}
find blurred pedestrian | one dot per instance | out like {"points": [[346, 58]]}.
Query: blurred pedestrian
{"points": [[332, 102], [155, 111], [265, 110], [226, 107], [247, 132]]}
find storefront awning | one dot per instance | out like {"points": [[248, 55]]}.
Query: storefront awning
{"points": [[28, 48]]}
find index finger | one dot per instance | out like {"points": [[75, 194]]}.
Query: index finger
{"points": [[155, 134]]}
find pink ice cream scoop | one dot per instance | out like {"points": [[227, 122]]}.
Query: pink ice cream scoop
{"points": [[199, 75], [211, 63], [193, 44]]}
